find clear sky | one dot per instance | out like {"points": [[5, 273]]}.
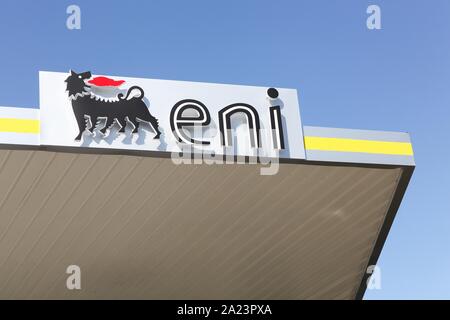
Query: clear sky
{"points": [[396, 78]]}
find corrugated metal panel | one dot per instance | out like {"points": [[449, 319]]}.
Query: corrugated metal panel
{"points": [[141, 227]]}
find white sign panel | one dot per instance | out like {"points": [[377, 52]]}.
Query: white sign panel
{"points": [[78, 109]]}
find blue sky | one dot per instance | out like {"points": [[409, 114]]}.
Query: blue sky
{"points": [[396, 78]]}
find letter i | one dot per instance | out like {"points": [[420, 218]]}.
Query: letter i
{"points": [[275, 120]]}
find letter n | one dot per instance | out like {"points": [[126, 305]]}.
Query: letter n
{"points": [[252, 121]]}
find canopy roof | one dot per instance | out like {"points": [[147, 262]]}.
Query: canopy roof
{"points": [[140, 226]]}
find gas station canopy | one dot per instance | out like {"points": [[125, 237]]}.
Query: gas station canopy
{"points": [[141, 226]]}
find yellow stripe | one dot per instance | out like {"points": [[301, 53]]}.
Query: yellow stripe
{"points": [[19, 125], [352, 145]]}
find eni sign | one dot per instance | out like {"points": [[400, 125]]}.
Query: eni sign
{"points": [[79, 109]]}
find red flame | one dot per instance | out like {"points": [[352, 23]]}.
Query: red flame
{"points": [[105, 82]]}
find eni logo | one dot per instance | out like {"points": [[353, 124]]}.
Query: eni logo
{"points": [[98, 105], [178, 120], [88, 107]]}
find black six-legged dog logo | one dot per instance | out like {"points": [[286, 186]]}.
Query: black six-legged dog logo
{"points": [[86, 105]]}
